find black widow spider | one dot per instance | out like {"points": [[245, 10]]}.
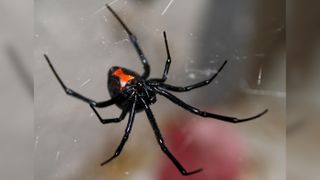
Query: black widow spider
{"points": [[133, 93]]}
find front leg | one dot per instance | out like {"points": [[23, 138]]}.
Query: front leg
{"points": [[77, 95], [168, 62], [135, 43], [193, 86]]}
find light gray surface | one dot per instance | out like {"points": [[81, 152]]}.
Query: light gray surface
{"points": [[16, 107]]}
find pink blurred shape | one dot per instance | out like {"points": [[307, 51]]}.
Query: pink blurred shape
{"points": [[203, 143]]}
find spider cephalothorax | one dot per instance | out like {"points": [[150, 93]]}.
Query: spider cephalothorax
{"points": [[132, 93]]}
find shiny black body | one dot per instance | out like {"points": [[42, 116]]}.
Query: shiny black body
{"points": [[132, 93], [136, 85]]}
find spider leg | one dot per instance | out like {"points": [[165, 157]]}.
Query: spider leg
{"points": [[161, 141], [193, 86], [168, 62], [196, 111], [112, 120], [135, 43], [127, 132], [77, 95]]}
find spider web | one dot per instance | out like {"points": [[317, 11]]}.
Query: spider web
{"points": [[83, 41]]}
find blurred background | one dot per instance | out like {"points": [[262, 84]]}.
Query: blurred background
{"points": [[84, 40], [16, 87], [303, 103]]}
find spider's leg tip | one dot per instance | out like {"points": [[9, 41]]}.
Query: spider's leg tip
{"points": [[225, 62], [47, 58], [265, 111], [104, 163], [192, 172], [109, 160]]}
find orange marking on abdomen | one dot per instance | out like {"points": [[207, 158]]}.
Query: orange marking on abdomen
{"points": [[124, 78]]}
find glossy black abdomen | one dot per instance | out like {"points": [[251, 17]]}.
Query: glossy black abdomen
{"points": [[121, 84]]}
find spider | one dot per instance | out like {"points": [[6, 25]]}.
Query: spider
{"points": [[133, 93]]}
